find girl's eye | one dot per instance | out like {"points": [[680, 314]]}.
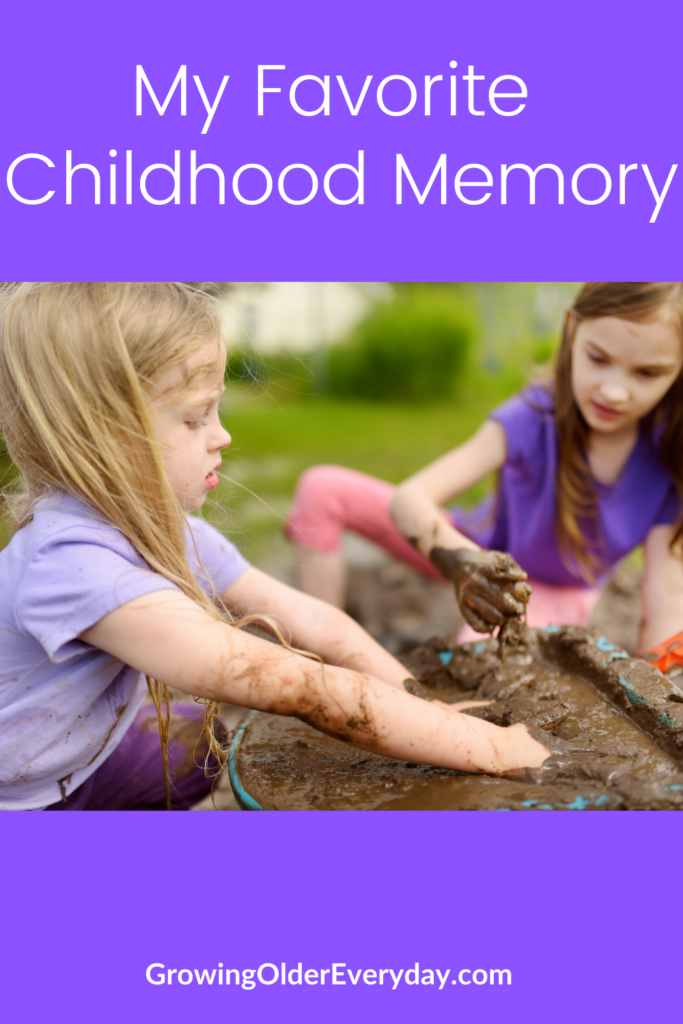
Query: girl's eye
{"points": [[649, 374], [599, 360], [196, 424]]}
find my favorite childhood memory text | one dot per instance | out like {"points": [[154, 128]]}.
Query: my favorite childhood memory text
{"points": [[83, 174]]}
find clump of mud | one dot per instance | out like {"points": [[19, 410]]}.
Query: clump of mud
{"points": [[613, 724]]}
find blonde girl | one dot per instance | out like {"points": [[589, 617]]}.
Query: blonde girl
{"points": [[590, 466], [109, 400]]}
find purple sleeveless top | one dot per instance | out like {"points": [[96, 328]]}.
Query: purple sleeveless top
{"points": [[522, 522]]}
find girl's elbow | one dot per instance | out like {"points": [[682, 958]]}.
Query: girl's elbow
{"points": [[396, 505], [402, 509], [285, 691]]}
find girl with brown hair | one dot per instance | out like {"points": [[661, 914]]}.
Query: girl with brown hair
{"points": [[590, 465], [109, 590]]}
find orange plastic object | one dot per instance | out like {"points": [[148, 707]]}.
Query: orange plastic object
{"points": [[666, 654]]}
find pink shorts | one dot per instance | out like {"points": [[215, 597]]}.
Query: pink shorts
{"points": [[331, 499]]}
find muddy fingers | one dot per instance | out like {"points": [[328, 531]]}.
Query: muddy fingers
{"points": [[489, 586]]}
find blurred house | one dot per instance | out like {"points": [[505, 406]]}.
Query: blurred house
{"points": [[296, 316], [307, 317]]}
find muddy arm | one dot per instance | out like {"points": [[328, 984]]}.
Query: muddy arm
{"points": [[167, 636], [314, 626], [488, 585]]}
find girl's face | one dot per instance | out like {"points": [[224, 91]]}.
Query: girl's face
{"points": [[621, 370], [189, 429]]}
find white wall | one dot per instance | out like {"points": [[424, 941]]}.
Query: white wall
{"points": [[299, 316]]}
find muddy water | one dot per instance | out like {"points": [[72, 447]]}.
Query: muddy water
{"points": [[613, 724]]}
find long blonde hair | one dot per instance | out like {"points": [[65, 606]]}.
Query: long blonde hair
{"points": [[77, 361]]}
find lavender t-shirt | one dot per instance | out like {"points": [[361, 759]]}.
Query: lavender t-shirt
{"points": [[64, 705], [523, 520]]}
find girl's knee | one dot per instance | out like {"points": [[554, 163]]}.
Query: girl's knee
{"points": [[331, 499], [322, 494], [314, 520], [319, 483]]}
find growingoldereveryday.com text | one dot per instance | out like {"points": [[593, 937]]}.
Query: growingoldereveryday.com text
{"points": [[336, 974]]}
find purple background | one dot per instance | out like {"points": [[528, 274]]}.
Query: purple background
{"points": [[576, 905], [604, 87], [581, 908]]}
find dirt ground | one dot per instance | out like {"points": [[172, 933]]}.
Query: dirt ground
{"points": [[402, 609]]}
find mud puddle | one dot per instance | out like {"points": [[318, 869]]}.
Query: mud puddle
{"points": [[614, 725]]}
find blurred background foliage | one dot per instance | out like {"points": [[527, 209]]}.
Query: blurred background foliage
{"points": [[379, 377], [412, 349]]}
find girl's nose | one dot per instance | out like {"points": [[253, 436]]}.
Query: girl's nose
{"points": [[615, 391], [219, 438]]}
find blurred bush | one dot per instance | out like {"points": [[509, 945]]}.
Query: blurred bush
{"points": [[433, 342], [542, 350], [286, 373], [246, 365], [410, 349]]}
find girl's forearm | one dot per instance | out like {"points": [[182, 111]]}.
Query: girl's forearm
{"points": [[375, 716], [662, 590], [416, 508], [340, 641], [662, 613], [423, 522], [656, 630], [370, 713], [314, 625]]}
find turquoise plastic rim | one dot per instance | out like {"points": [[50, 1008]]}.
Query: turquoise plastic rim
{"points": [[244, 799]]}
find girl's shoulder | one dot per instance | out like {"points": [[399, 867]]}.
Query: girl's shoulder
{"points": [[52, 516], [528, 420], [537, 400], [65, 534], [63, 572], [60, 520]]}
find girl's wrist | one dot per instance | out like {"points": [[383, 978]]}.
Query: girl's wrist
{"points": [[451, 562]]}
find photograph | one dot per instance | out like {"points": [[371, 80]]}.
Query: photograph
{"points": [[320, 546]]}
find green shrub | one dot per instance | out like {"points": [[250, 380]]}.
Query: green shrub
{"points": [[285, 374], [543, 350], [245, 365], [410, 349]]}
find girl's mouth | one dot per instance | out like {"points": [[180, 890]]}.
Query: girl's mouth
{"points": [[604, 413], [211, 480]]}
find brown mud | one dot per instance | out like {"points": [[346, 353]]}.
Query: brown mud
{"points": [[614, 726]]}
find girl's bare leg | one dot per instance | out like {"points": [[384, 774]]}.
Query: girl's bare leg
{"points": [[329, 500]]}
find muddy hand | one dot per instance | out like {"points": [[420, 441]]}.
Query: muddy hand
{"points": [[489, 585]]}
